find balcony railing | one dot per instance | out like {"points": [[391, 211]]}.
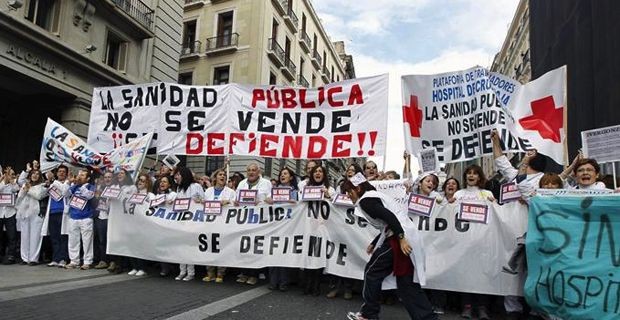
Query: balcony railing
{"points": [[305, 42], [280, 5], [290, 18], [191, 48], [137, 10], [223, 43], [275, 52], [326, 74], [317, 61], [193, 4], [289, 69], [303, 82]]}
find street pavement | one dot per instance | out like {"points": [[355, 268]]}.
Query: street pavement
{"points": [[40, 292]]}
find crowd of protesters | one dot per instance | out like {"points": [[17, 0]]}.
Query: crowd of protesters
{"points": [[41, 226]]}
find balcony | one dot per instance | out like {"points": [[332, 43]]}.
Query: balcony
{"points": [[137, 12], [326, 75], [275, 53], [191, 50], [302, 82], [317, 61], [290, 18], [280, 5], [304, 41], [289, 69], [193, 4], [222, 44]]}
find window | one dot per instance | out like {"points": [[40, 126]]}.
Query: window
{"points": [[186, 78], [314, 43], [274, 29], [273, 79], [221, 75], [338, 78], [214, 163], [224, 29], [189, 36], [44, 13], [301, 66], [324, 59], [313, 81], [332, 73], [287, 49], [303, 23], [116, 52]]}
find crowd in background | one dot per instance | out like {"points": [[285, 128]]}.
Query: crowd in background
{"points": [[41, 226]]}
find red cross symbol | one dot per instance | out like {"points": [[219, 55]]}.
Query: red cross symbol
{"points": [[546, 119], [413, 116]]}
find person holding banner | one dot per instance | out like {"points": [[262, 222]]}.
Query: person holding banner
{"points": [[56, 217], [123, 179], [252, 190], [218, 192], [278, 276], [391, 253], [474, 183], [165, 187], [81, 211], [187, 189], [143, 186], [310, 164], [586, 173], [8, 190], [449, 188], [30, 217], [101, 219]]}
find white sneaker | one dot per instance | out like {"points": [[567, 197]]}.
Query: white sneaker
{"points": [[62, 264], [140, 273], [132, 272], [180, 277], [53, 264], [188, 278]]}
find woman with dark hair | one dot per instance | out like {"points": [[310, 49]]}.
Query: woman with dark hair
{"points": [[218, 192], [165, 185], [187, 189], [391, 252], [30, 217], [57, 221], [475, 181], [318, 177], [8, 185], [449, 188], [143, 186], [352, 169], [124, 181]]}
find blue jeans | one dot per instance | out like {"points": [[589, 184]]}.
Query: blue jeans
{"points": [[411, 294], [60, 246]]}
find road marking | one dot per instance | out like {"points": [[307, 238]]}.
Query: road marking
{"points": [[219, 306], [32, 291]]}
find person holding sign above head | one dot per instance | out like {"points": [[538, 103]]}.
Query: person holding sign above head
{"points": [[8, 191], [529, 173], [278, 276], [143, 186], [252, 190], [56, 207], [225, 195], [391, 252], [30, 217], [187, 189], [81, 212]]}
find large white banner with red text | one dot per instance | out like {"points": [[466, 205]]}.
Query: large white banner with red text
{"points": [[455, 113], [340, 120]]}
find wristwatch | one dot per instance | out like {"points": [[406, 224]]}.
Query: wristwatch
{"points": [[401, 236]]}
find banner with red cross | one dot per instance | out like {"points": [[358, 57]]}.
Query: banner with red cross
{"points": [[455, 113]]}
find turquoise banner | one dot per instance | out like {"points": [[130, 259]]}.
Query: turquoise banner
{"points": [[573, 256]]}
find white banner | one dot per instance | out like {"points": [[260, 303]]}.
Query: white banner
{"points": [[462, 256], [455, 113], [340, 120], [60, 145], [63, 146]]}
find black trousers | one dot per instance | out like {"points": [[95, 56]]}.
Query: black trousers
{"points": [[411, 294], [11, 234], [60, 246]]}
